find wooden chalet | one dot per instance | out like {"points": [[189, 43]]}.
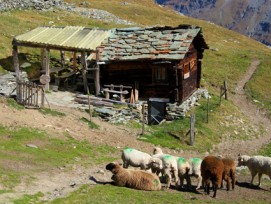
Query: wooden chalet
{"points": [[161, 62]]}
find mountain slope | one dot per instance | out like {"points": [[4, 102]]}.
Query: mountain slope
{"points": [[228, 58], [251, 18]]}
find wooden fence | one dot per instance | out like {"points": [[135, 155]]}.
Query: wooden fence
{"points": [[30, 94]]}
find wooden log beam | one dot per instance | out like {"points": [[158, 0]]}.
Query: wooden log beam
{"points": [[84, 71], [97, 74], [47, 67]]}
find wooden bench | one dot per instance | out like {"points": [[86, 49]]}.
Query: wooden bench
{"points": [[111, 89]]}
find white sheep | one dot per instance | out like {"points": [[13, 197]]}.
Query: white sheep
{"points": [[170, 166], [257, 165], [194, 170], [136, 179], [136, 158], [183, 169]]}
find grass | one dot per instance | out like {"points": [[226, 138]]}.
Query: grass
{"points": [[12, 103], [224, 121], [266, 150], [26, 199], [48, 111], [50, 152], [91, 124], [113, 194]]}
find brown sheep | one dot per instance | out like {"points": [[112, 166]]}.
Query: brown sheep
{"points": [[212, 169], [229, 173], [137, 179]]}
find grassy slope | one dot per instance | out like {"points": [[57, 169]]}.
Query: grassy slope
{"points": [[235, 52]]}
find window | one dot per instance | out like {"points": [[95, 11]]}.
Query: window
{"points": [[186, 70], [160, 74]]}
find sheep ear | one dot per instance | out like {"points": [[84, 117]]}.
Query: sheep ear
{"points": [[239, 154]]}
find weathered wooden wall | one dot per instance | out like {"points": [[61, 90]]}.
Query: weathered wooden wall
{"points": [[177, 88], [127, 73]]}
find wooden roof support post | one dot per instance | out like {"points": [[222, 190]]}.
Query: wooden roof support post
{"points": [[47, 67], [62, 58], [42, 59], [17, 71], [74, 60], [97, 74], [84, 71]]}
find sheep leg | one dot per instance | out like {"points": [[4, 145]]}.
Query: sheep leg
{"points": [[199, 182], [168, 177], [253, 174], [215, 189], [176, 178], [221, 184], [181, 181], [260, 177], [228, 183], [125, 164], [207, 186], [233, 180], [188, 181]]}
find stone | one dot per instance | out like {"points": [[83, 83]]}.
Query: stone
{"points": [[32, 146]]}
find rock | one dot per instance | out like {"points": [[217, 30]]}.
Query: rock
{"points": [[72, 184], [31, 145], [100, 172]]}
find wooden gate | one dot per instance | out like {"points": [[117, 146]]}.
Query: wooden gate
{"points": [[30, 94]]}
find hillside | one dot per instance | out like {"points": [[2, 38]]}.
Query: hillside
{"points": [[47, 154], [251, 18]]}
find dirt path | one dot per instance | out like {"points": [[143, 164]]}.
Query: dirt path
{"points": [[256, 117]]}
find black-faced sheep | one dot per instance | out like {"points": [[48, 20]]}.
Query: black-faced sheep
{"points": [[211, 171], [136, 179], [229, 172], [257, 165], [135, 158]]}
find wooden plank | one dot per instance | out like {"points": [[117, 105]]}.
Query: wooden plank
{"points": [[117, 86], [117, 92], [94, 103]]}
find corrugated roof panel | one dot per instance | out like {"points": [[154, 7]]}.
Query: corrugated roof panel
{"points": [[27, 36], [69, 37]]}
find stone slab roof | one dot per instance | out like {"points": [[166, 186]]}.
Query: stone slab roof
{"points": [[156, 43]]}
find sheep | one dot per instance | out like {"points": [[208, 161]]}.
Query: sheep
{"points": [[194, 170], [136, 179], [257, 165], [183, 169], [229, 173], [135, 158], [212, 169], [170, 167]]}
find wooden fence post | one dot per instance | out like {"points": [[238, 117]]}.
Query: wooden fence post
{"points": [[223, 91], [226, 89], [143, 118], [192, 129], [208, 105]]}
